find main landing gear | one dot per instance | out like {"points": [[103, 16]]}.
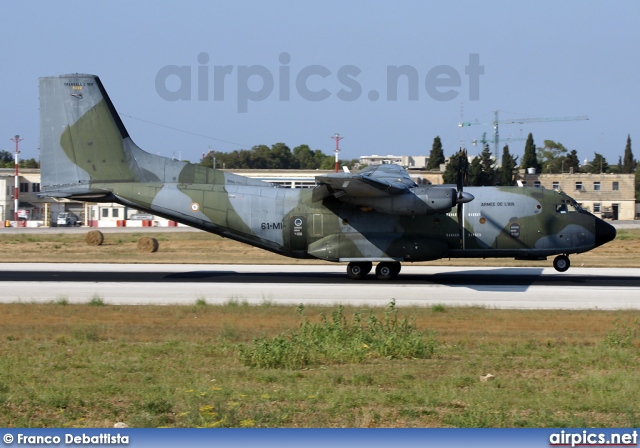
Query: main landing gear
{"points": [[561, 263], [384, 271]]}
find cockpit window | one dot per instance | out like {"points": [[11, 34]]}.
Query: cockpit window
{"points": [[576, 206], [567, 206]]}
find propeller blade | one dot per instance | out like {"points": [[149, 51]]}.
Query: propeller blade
{"points": [[460, 224], [463, 175], [460, 180]]}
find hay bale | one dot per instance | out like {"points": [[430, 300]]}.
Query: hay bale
{"points": [[94, 238], [149, 245]]}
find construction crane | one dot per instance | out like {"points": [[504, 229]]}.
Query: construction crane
{"points": [[497, 121], [484, 140]]}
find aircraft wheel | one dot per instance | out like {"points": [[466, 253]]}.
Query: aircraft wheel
{"points": [[561, 263], [387, 271], [358, 270]]}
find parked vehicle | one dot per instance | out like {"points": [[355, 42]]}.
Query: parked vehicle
{"points": [[607, 213], [67, 219]]}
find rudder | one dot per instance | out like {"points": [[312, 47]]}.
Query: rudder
{"points": [[82, 138]]}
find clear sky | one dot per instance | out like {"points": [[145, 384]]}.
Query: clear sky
{"points": [[251, 72]]}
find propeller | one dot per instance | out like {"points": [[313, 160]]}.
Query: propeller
{"points": [[462, 197]]}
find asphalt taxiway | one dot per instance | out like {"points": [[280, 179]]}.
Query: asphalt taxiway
{"points": [[162, 284]]}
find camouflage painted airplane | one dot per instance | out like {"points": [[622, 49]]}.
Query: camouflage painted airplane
{"points": [[377, 215]]}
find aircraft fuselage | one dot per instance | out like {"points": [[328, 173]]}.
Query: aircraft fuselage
{"points": [[513, 222]]}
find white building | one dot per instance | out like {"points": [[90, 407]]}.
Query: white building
{"points": [[409, 162]]}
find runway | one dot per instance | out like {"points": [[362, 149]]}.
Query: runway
{"points": [[137, 284]]}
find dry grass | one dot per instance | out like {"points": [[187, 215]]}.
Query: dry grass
{"points": [[200, 323]]}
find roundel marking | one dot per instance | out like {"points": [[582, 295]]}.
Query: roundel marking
{"points": [[195, 207]]}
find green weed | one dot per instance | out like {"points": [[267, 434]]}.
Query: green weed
{"points": [[96, 300], [622, 337], [338, 340], [236, 302]]}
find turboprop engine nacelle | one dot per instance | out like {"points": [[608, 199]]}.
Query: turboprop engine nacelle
{"points": [[423, 201]]}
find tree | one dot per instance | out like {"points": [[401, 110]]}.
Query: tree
{"points": [[571, 163], [598, 165], [29, 163], [629, 163], [618, 167], [304, 157], [529, 159], [475, 172], [6, 159], [324, 162], [450, 175], [509, 163], [280, 157], [436, 156], [6, 156], [551, 157], [488, 172]]}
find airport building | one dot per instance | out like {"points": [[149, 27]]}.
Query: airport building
{"points": [[605, 195], [409, 162]]}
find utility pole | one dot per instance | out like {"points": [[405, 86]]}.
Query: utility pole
{"points": [[337, 138], [16, 139]]}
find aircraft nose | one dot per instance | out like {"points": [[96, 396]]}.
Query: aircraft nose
{"points": [[605, 232]]}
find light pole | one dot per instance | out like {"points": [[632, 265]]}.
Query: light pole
{"points": [[337, 138], [16, 139]]}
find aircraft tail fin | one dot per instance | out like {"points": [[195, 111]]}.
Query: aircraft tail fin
{"points": [[82, 138], [86, 152]]}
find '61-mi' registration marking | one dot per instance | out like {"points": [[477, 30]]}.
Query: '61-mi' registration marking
{"points": [[271, 226]]}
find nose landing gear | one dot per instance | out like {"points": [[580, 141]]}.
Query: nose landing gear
{"points": [[561, 263]]}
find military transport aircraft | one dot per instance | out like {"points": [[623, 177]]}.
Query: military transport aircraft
{"points": [[377, 215]]}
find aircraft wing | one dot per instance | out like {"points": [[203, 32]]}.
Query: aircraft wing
{"points": [[371, 182]]}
